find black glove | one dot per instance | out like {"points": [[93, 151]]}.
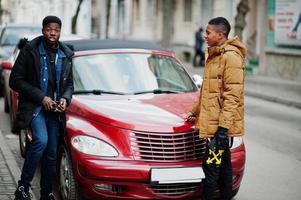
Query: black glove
{"points": [[220, 140]]}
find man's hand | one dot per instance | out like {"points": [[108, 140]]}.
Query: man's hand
{"points": [[222, 139], [48, 103], [61, 107], [190, 117]]}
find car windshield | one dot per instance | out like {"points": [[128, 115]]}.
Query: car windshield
{"points": [[11, 36], [130, 73]]}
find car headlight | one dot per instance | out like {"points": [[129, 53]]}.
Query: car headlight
{"points": [[236, 142], [93, 146]]}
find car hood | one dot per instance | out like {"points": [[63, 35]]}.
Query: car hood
{"points": [[151, 112]]}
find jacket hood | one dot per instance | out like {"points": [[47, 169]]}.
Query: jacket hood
{"points": [[234, 44], [33, 44]]}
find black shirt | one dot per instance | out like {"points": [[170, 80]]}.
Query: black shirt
{"points": [[51, 57]]}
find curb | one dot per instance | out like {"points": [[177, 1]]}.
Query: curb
{"points": [[11, 162], [273, 99]]}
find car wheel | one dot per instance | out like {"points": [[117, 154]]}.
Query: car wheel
{"points": [[234, 192], [1, 83], [67, 185], [24, 142], [6, 106]]}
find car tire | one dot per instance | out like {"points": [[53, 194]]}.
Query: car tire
{"points": [[234, 192], [217, 195], [1, 83], [68, 188], [6, 106], [24, 142], [13, 127]]}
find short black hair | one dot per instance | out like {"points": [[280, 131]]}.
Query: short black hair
{"points": [[51, 19], [223, 23]]}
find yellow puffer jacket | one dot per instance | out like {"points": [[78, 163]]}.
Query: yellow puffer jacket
{"points": [[221, 100]]}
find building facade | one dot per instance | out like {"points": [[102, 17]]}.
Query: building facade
{"points": [[146, 20], [281, 56], [272, 44], [33, 12]]}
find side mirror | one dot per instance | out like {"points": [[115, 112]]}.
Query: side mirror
{"points": [[6, 65], [198, 80]]}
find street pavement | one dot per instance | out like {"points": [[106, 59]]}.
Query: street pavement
{"points": [[9, 171], [267, 88], [7, 182]]}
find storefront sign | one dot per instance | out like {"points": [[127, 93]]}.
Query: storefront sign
{"points": [[288, 22]]}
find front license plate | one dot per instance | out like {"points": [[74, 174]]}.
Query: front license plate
{"points": [[177, 175]]}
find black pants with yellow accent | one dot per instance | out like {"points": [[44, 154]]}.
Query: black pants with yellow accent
{"points": [[218, 175]]}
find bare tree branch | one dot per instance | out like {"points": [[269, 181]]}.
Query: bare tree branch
{"points": [[108, 17], [74, 18]]}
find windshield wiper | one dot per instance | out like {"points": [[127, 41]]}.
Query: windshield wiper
{"points": [[158, 91], [97, 92]]}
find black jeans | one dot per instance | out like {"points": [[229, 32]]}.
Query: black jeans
{"points": [[218, 177]]}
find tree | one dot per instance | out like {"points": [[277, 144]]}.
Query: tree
{"points": [[168, 22], [240, 22], [1, 11], [74, 18], [108, 5]]}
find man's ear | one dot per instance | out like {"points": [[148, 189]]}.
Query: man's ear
{"points": [[221, 35]]}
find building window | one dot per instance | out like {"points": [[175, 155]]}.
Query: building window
{"points": [[187, 10]]}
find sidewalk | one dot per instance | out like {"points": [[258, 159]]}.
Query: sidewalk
{"points": [[7, 184], [268, 88], [9, 172], [274, 89], [7, 180]]}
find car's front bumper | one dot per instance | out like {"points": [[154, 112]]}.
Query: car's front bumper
{"points": [[130, 179]]}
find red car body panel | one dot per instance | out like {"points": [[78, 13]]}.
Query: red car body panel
{"points": [[165, 113]]}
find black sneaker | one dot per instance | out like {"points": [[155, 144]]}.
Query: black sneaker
{"points": [[22, 193], [49, 197]]}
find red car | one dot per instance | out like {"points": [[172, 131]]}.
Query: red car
{"points": [[126, 137]]}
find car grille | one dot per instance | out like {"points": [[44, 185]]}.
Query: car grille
{"points": [[167, 147], [174, 189]]}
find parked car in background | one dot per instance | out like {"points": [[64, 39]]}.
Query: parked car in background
{"points": [[9, 105], [3, 56], [10, 35], [125, 136]]}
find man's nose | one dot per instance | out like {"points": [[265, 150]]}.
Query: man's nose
{"points": [[52, 32]]}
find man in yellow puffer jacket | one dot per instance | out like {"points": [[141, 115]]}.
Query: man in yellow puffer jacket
{"points": [[220, 110]]}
